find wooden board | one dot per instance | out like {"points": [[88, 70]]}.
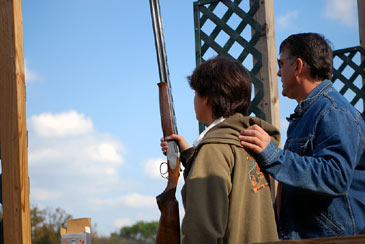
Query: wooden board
{"points": [[361, 14], [267, 74], [13, 132]]}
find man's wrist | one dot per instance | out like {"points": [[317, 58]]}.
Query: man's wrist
{"points": [[268, 154]]}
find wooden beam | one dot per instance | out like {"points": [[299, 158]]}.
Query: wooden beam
{"points": [[267, 74], [361, 15], [13, 132]]}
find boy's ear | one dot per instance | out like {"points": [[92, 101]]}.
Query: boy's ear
{"points": [[206, 100]]}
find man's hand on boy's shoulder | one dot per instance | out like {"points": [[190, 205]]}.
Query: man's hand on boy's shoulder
{"points": [[255, 138]]}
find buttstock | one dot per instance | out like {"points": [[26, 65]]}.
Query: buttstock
{"points": [[169, 226]]}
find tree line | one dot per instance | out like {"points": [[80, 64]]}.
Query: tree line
{"points": [[47, 223]]}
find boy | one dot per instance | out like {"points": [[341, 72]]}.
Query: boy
{"points": [[226, 197]]}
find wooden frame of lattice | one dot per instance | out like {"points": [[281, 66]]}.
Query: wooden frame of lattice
{"points": [[259, 45]]}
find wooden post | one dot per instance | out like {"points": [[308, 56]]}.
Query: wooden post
{"points": [[361, 14], [267, 74], [13, 132]]}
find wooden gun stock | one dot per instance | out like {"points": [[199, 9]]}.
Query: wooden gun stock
{"points": [[167, 122], [169, 226]]}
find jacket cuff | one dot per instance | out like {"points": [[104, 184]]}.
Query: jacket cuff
{"points": [[267, 156], [186, 155]]}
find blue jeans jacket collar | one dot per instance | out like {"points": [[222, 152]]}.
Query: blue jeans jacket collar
{"points": [[312, 97]]}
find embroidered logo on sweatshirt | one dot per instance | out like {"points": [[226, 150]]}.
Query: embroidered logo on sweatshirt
{"points": [[255, 174]]}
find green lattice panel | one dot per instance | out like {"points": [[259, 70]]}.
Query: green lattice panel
{"points": [[348, 71], [227, 27]]}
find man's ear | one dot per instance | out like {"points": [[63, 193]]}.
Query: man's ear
{"points": [[299, 65]]}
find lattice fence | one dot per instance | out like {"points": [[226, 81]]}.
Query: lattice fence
{"points": [[349, 75], [228, 28]]}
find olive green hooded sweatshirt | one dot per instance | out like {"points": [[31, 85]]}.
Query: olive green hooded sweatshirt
{"points": [[226, 196]]}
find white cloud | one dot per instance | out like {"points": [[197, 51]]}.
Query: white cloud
{"points": [[133, 200], [343, 11], [140, 201], [106, 152], [64, 124], [119, 223], [70, 165], [151, 167], [44, 194], [285, 20], [77, 168], [30, 76], [43, 154]]}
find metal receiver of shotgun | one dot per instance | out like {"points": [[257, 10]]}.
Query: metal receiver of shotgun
{"points": [[169, 225]]}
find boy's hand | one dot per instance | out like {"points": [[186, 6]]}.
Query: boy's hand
{"points": [[183, 144]]}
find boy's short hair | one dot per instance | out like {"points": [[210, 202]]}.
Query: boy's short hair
{"points": [[226, 83]]}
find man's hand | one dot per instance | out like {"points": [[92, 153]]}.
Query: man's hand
{"points": [[255, 138], [183, 144]]}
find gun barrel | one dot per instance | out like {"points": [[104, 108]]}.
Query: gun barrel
{"points": [[159, 41], [162, 61]]}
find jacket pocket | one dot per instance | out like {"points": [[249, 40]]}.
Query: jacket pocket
{"points": [[302, 146], [329, 225]]}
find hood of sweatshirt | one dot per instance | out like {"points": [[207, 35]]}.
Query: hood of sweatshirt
{"points": [[229, 130]]}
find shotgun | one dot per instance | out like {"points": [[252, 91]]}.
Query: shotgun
{"points": [[169, 225]]}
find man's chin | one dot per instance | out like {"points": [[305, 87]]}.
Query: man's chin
{"points": [[285, 94]]}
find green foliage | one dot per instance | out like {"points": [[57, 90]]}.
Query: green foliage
{"points": [[46, 225], [113, 239], [141, 232]]}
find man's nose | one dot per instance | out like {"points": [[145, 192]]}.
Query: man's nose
{"points": [[278, 73]]}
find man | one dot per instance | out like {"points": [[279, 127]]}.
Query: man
{"points": [[322, 166]]}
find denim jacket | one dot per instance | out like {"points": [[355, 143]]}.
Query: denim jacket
{"points": [[322, 168]]}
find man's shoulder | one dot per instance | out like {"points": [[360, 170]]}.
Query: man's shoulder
{"points": [[333, 100], [335, 108]]}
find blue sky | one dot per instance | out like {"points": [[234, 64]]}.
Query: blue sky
{"points": [[92, 99]]}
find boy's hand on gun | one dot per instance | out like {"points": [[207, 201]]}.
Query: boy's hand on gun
{"points": [[183, 144]]}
